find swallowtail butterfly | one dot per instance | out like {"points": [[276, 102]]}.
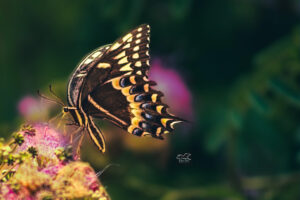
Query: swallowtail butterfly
{"points": [[112, 83]]}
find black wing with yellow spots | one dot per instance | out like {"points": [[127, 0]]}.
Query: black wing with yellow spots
{"points": [[117, 88]]}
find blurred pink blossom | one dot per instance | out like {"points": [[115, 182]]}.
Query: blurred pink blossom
{"points": [[177, 94], [27, 105], [33, 109]]}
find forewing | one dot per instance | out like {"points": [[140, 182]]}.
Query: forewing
{"points": [[127, 54], [130, 53], [81, 72]]}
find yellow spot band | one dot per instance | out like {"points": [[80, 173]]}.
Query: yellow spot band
{"points": [[126, 37], [120, 55], [154, 97], [132, 80], [159, 108], [158, 131], [123, 61], [126, 67], [138, 64], [125, 91], [164, 121], [103, 65], [115, 46], [135, 56], [116, 83]]}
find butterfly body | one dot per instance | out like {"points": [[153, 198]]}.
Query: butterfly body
{"points": [[111, 83]]}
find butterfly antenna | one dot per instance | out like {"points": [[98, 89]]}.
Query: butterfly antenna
{"points": [[105, 168], [55, 95], [48, 99]]}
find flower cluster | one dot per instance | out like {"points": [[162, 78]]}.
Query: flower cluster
{"points": [[38, 163]]}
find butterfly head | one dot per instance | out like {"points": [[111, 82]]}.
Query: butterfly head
{"points": [[65, 109], [73, 112]]}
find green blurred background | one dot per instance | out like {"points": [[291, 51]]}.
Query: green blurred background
{"points": [[239, 58]]}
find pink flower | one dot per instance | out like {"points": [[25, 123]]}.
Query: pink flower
{"points": [[44, 166], [27, 105], [45, 139], [33, 109], [177, 94]]}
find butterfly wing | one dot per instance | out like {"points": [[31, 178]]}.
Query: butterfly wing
{"points": [[125, 97], [128, 54], [81, 71]]}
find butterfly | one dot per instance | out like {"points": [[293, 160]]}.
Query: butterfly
{"points": [[112, 83]]}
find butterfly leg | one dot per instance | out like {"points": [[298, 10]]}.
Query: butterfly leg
{"points": [[75, 132], [61, 119], [70, 123], [78, 147]]}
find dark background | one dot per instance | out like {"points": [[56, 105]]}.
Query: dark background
{"points": [[239, 58]]}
